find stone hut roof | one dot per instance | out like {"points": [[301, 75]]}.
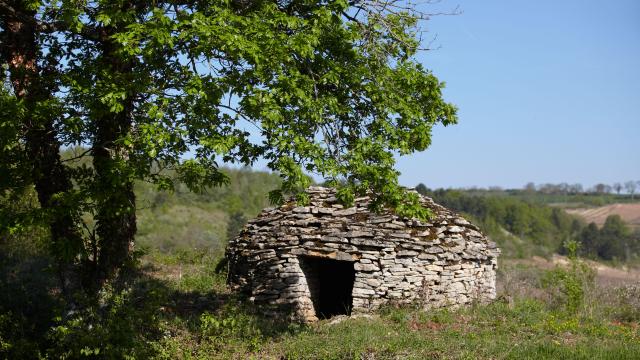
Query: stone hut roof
{"points": [[297, 260]]}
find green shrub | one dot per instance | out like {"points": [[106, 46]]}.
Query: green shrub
{"points": [[569, 285], [233, 325], [121, 325]]}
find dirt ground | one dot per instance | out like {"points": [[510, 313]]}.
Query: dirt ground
{"points": [[630, 213], [606, 275]]}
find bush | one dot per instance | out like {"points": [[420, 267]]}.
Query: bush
{"points": [[569, 285], [233, 325], [123, 324]]}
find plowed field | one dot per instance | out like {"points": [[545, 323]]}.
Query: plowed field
{"points": [[630, 213]]}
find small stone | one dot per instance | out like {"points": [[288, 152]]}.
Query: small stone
{"points": [[455, 229], [345, 212], [407, 253], [366, 267], [358, 234], [360, 292], [434, 250]]}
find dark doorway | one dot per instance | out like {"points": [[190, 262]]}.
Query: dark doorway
{"points": [[330, 283]]}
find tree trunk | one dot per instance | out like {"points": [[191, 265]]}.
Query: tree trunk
{"points": [[49, 175], [115, 199]]}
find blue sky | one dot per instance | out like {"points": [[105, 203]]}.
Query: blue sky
{"points": [[548, 91]]}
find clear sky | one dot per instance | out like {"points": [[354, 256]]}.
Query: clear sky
{"points": [[548, 91]]}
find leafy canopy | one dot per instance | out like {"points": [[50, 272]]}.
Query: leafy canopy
{"points": [[310, 86]]}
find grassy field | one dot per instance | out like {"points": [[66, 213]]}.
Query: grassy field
{"points": [[178, 307], [200, 319]]}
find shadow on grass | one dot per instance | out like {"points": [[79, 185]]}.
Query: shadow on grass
{"points": [[131, 319], [28, 303]]}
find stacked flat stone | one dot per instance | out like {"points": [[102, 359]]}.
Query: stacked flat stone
{"points": [[445, 261]]}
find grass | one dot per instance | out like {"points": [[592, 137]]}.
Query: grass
{"points": [[521, 324], [178, 307], [525, 330]]}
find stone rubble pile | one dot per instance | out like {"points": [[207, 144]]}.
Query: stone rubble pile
{"points": [[445, 261]]}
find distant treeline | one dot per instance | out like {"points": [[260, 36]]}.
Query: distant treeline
{"points": [[629, 188], [524, 228], [572, 194]]}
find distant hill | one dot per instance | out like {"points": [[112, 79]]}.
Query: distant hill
{"points": [[525, 224], [183, 221], [630, 213]]}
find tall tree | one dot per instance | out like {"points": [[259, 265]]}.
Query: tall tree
{"points": [[617, 187], [325, 87], [614, 239], [630, 186], [34, 157], [422, 189], [530, 187], [589, 239], [575, 188]]}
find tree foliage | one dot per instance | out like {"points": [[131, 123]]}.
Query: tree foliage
{"points": [[542, 225], [545, 227], [614, 241], [165, 91]]}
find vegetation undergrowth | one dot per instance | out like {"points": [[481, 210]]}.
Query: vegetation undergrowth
{"points": [[177, 306], [539, 314]]}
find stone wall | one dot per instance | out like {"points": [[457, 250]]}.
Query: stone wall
{"points": [[446, 261]]}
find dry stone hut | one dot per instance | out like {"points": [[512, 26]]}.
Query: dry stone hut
{"points": [[320, 260]]}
